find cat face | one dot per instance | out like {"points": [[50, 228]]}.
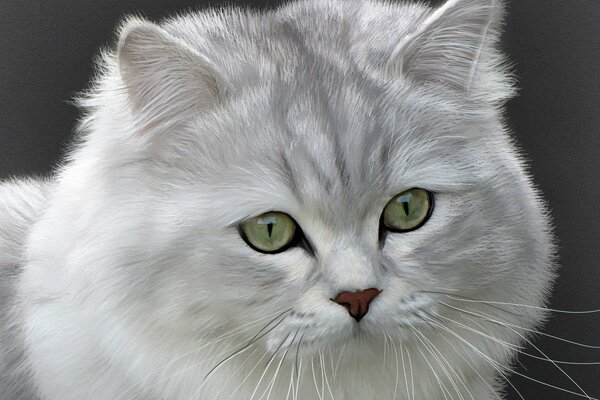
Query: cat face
{"points": [[326, 128], [333, 174]]}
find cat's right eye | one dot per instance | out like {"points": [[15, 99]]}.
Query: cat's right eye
{"points": [[270, 233]]}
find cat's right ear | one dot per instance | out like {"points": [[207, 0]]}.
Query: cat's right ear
{"points": [[451, 45], [165, 78]]}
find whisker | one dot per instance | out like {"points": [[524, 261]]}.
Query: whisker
{"points": [[397, 364], [281, 362], [298, 381], [494, 362], [297, 353], [233, 332], [475, 369], [385, 339], [324, 373], [337, 364], [291, 385], [412, 376], [457, 297], [331, 357], [268, 365], [429, 348], [312, 367], [529, 342], [442, 387], [551, 386], [535, 331], [269, 323], [514, 347], [496, 365], [405, 374], [241, 367], [247, 376], [257, 337], [502, 303], [449, 366], [224, 385], [495, 339]]}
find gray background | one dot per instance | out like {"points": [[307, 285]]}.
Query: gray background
{"points": [[46, 51]]}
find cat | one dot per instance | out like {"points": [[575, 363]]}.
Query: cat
{"points": [[320, 201]]}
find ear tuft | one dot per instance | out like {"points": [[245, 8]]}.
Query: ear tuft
{"points": [[449, 44], [165, 78]]}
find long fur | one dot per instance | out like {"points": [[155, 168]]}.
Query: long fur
{"points": [[128, 275]]}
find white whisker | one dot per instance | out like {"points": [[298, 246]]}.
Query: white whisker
{"points": [[506, 325], [449, 365], [397, 366], [298, 381], [324, 372], [291, 384], [496, 365], [337, 364], [494, 362], [281, 362], [404, 370], [502, 303], [248, 375], [224, 386], [474, 369], [267, 366], [442, 387], [312, 367], [535, 331], [431, 349], [412, 376], [239, 330]]}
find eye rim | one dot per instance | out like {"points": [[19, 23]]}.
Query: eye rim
{"points": [[298, 240], [384, 228]]}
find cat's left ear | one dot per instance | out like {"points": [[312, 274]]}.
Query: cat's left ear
{"points": [[165, 78], [449, 44]]}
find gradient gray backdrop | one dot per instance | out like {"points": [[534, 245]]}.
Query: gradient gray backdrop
{"points": [[46, 51]]}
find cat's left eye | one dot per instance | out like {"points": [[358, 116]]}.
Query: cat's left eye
{"points": [[408, 211], [272, 232]]}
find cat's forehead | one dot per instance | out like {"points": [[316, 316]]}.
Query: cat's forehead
{"points": [[341, 143], [311, 115]]}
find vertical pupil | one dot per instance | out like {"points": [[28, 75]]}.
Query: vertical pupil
{"points": [[270, 229], [406, 209]]}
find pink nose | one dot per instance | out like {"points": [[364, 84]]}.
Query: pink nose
{"points": [[357, 303]]}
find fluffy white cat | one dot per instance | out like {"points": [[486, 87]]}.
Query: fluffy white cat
{"points": [[316, 202]]}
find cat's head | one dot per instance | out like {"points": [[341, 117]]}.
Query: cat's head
{"points": [[251, 172]]}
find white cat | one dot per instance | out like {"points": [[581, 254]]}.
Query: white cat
{"points": [[316, 202]]}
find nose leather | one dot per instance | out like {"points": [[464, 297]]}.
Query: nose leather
{"points": [[357, 303]]}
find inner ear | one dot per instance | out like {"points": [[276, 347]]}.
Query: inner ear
{"points": [[165, 78], [449, 44]]}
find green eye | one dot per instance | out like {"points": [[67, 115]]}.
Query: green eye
{"points": [[408, 210], [271, 232]]}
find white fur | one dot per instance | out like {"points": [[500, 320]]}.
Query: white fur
{"points": [[137, 284]]}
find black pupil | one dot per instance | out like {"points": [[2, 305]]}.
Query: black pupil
{"points": [[270, 229], [406, 209]]}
